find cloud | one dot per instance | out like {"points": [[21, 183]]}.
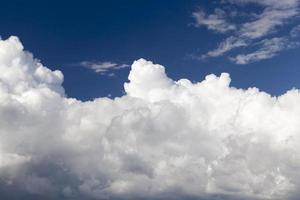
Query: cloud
{"points": [[164, 139], [102, 67], [215, 22], [269, 48], [274, 15], [270, 3], [295, 32], [266, 22], [227, 45]]}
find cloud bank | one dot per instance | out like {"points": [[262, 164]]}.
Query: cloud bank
{"points": [[163, 139]]}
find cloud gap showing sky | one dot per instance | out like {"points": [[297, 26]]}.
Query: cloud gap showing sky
{"points": [[163, 139]]}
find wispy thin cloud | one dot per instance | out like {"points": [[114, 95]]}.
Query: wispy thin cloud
{"points": [[216, 22], [258, 29], [269, 48], [103, 67], [227, 45], [295, 32], [270, 3]]}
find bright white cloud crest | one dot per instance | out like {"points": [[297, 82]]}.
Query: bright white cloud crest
{"points": [[163, 138]]}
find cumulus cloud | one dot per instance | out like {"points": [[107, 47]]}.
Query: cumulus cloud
{"points": [[257, 26], [102, 67], [164, 139]]}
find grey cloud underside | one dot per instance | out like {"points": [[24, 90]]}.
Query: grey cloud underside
{"points": [[258, 27], [163, 139]]}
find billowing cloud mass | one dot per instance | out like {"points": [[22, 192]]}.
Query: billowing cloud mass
{"points": [[163, 139]]}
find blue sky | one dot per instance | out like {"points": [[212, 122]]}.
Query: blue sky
{"points": [[77, 36]]}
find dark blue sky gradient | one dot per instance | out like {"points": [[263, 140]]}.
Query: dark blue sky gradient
{"points": [[63, 33]]}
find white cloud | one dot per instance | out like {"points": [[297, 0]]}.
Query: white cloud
{"points": [[102, 67], [216, 22], [295, 32], [280, 4], [269, 48], [227, 45], [163, 139], [266, 23], [274, 15]]}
